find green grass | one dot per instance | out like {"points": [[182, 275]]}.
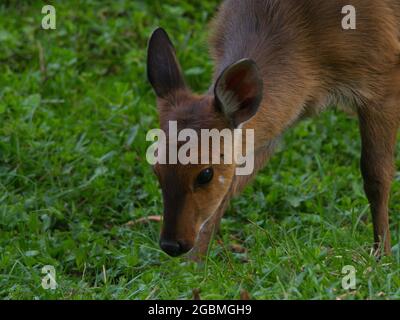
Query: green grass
{"points": [[73, 173]]}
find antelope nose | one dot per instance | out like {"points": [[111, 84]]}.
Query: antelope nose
{"points": [[175, 248], [172, 248]]}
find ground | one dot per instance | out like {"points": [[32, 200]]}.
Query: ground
{"points": [[75, 107]]}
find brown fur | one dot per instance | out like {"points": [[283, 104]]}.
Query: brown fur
{"points": [[307, 62]]}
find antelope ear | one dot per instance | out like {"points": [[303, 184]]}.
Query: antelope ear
{"points": [[163, 69], [239, 91]]}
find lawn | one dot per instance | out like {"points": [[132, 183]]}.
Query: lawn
{"points": [[75, 107]]}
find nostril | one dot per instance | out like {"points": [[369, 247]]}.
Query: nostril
{"points": [[184, 247], [172, 248]]}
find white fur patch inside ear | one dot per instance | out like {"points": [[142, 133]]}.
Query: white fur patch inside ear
{"points": [[229, 101]]}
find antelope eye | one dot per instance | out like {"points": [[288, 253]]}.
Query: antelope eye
{"points": [[205, 176]]}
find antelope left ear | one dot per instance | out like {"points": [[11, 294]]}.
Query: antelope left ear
{"points": [[239, 91], [163, 69]]}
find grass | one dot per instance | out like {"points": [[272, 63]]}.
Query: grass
{"points": [[73, 173]]}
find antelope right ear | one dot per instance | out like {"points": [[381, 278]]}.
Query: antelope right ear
{"points": [[163, 69], [239, 92]]}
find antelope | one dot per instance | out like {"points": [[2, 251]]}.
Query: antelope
{"points": [[276, 63]]}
